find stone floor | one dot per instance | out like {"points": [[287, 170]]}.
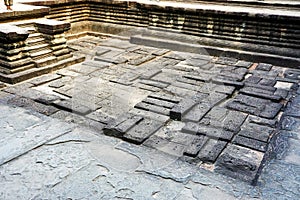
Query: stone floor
{"points": [[134, 122]]}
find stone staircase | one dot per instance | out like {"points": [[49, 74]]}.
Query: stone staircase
{"points": [[41, 50]]}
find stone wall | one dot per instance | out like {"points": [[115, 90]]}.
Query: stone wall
{"points": [[247, 28]]}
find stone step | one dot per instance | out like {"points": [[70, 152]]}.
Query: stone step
{"points": [[41, 53], [34, 35], [45, 61], [37, 47], [35, 41], [252, 56], [27, 74], [16, 70]]}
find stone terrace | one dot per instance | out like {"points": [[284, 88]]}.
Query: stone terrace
{"points": [[226, 109], [217, 112]]}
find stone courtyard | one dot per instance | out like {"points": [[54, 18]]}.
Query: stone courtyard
{"points": [[129, 119]]}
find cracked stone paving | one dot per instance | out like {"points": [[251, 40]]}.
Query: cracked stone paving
{"points": [[138, 122]]}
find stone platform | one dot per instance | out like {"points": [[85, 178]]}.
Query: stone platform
{"points": [[219, 113]]}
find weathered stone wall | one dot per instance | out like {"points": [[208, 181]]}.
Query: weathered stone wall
{"points": [[245, 29]]}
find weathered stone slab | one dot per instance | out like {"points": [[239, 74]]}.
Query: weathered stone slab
{"points": [[227, 82], [32, 105], [268, 82], [199, 77], [154, 83], [250, 143], [139, 133], [100, 117], [50, 26], [165, 145], [211, 150], [260, 93], [264, 67], [197, 112], [110, 128], [212, 132], [271, 110], [215, 133], [10, 33], [262, 121], [239, 162], [166, 97], [262, 87], [72, 106], [180, 109], [244, 64], [153, 108], [44, 79], [195, 146], [162, 103], [182, 92], [128, 124], [262, 136]]}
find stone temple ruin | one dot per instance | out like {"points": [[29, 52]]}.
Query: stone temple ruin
{"points": [[207, 83]]}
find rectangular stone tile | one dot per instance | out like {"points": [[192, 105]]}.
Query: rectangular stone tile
{"points": [[224, 89], [234, 120], [211, 150], [216, 133], [267, 82], [17, 89], [60, 82], [197, 112], [164, 145], [190, 81], [235, 105], [239, 162], [252, 79], [262, 87], [182, 92], [72, 106], [282, 93], [153, 108], [147, 87], [154, 83], [180, 109], [250, 143], [262, 121], [148, 114], [128, 124], [215, 98], [149, 73], [260, 93], [83, 69], [261, 136], [109, 129], [244, 64], [195, 146], [198, 77], [191, 128], [99, 116], [186, 86], [264, 67], [166, 97], [271, 110], [228, 82], [44, 79], [161, 103], [139, 133], [32, 105], [251, 101]]}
